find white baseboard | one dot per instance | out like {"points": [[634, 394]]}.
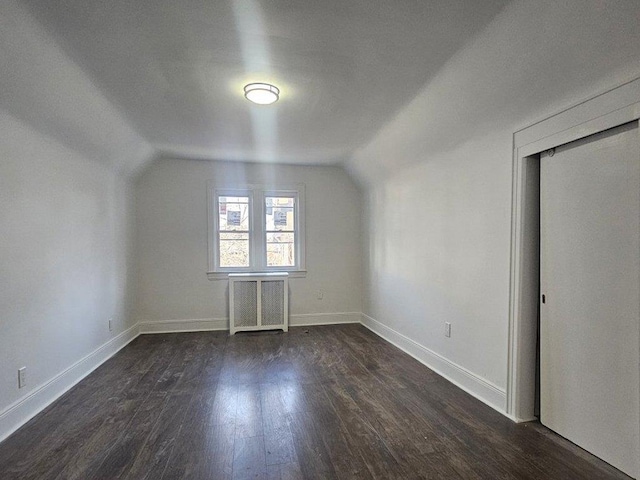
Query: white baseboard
{"points": [[23, 410], [518, 419], [186, 325], [210, 324], [309, 319], [471, 383]]}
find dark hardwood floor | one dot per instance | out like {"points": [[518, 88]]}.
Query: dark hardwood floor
{"points": [[323, 402]]}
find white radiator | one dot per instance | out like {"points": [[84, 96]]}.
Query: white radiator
{"points": [[258, 301]]}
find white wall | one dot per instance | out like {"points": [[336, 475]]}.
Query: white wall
{"points": [[438, 176], [65, 247], [66, 212], [171, 247]]}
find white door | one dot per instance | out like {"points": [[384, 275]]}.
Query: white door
{"points": [[590, 279]]}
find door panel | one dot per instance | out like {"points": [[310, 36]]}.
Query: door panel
{"points": [[589, 275]]}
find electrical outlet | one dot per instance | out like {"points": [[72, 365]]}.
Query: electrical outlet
{"points": [[22, 377], [447, 329], [111, 324], [320, 295]]}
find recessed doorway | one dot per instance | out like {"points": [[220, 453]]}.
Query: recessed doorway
{"points": [[608, 110]]}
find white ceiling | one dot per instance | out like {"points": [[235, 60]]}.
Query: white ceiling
{"points": [[175, 69]]}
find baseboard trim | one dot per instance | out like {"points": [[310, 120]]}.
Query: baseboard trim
{"points": [[20, 412], [519, 420], [310, 319], [212, 324], [183, 325], [471, 383]]}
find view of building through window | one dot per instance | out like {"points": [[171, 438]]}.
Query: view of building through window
{"points": [[233, 231], [280, 231]]}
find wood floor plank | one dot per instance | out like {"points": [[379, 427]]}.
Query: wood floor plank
{"points": [[87, 457], [327, 402], [274, 411], [279, 446], [206, 439], [151, 461], [249, 421], [380, 462], [344, 454], [249, 458], [313, 458], [123, 453], [286, 471], [62, 452]]}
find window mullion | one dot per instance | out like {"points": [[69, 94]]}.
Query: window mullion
{"points": [[259, 236]]}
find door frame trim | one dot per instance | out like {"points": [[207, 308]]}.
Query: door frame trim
{"points": [[604, 111]]}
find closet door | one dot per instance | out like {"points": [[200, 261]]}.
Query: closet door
{"points": [[590, 294]]}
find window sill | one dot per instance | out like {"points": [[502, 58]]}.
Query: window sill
{"points": [[225, 275]]}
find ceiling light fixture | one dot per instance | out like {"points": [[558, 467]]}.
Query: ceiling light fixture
{"points": [[262, 93]]}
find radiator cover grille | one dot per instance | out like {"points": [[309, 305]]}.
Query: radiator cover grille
{"points": [[245, 304], [258, 302], [272, 303]]}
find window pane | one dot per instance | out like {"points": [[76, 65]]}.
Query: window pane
{"points": [[234, 249], [280, 213], [233, 213], [281, 249], [226, 199]]}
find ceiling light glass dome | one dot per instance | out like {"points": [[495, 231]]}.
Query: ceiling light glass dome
{"points": [[262, 93]]}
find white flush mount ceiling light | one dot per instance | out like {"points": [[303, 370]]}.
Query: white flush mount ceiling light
{"points": [[262, 93]]}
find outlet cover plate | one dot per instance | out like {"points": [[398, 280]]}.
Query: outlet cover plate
{"points": [[22, 377]]}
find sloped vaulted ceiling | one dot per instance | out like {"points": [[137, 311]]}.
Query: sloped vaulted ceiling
{"points": [[536, 58], [166, 76], [43, 87]]}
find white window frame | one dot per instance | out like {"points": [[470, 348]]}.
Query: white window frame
{"points": [[257, 228]]}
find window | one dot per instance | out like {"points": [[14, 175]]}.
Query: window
{"points": [[256, 229], [280, 222]]}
